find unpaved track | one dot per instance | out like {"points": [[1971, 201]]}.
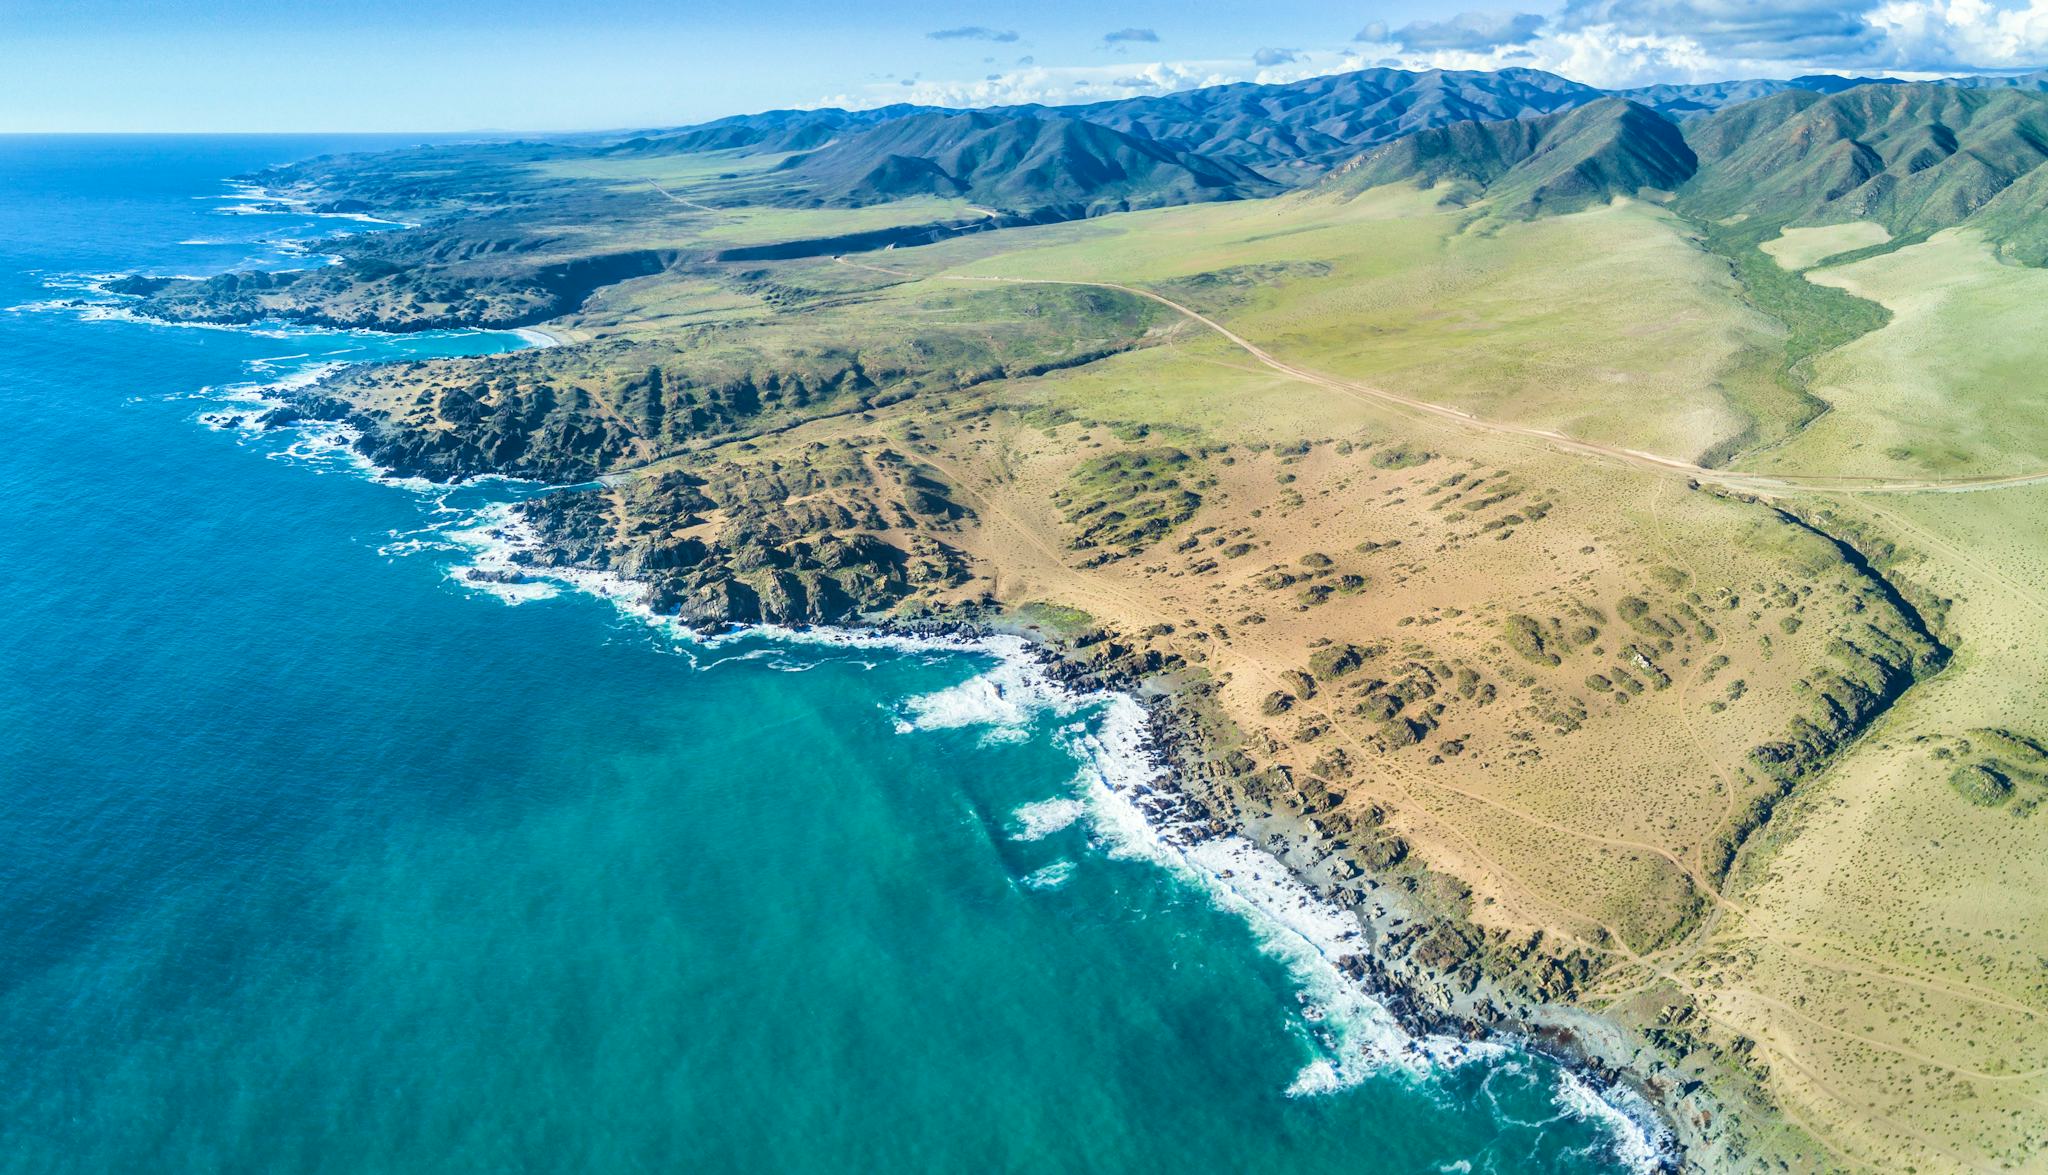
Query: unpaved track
{"points": [[683, 200], [1756, 483]]}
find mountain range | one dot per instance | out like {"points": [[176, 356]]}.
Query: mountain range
{"points": [[1911, 155]]}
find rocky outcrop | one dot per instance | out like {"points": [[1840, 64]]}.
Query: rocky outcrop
{"points": [[844, 536]]}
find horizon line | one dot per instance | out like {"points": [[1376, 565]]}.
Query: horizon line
{"points": [[1920, 77]]}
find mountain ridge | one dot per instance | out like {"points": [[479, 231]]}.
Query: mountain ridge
{"points": [[1294, 131], [1034, 165]]}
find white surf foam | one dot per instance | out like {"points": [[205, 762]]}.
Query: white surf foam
{"points": [[1641, 1140], [494, 544], [1120, 788], [1317, 1077], [1007, 698], [1353, 1033], [1039, 820], [1051, 876]]}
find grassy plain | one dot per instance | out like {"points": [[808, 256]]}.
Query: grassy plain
{"points": [[1795, 249], [1887, 951], [1608, 324], [1951, 386]]}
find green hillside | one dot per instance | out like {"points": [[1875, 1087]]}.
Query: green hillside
{"points": [[1559, 163], [1030, 165], [1914, 158]]}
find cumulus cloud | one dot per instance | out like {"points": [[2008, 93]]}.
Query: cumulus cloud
{"points": [[1637, 42], [1615, 41], [974, 32], [1129, 36], [1469, 31], [1959, 35], [1266, 57]]}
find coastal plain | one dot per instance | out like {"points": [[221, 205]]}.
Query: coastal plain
{"points": [[1631, 610]]}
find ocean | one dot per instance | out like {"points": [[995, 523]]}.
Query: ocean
{"points": [[315, 857]]}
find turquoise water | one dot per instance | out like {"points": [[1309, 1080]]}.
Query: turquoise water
{"points": [[314, 859]]}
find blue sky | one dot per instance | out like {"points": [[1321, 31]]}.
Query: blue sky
{"points": [[434, 65]]}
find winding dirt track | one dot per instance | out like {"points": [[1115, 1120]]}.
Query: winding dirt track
{"points": [[1755, 483]]}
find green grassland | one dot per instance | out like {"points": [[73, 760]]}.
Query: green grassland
{"points": [[675, 172], [1803, 248], [1889, 949], [1950, 386], [1609, 324]]}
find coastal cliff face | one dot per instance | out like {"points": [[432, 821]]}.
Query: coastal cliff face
{"points": [[1531, 716], [843, 534]]}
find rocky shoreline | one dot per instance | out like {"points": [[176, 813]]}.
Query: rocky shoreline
{"points": [[1411, 955], [1414, 955], [1428, 995]]}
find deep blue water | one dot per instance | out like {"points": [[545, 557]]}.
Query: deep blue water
{"points": [[312, 858]]}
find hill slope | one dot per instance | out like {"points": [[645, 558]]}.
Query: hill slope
{"points": [[1687, 101], [1296, 131], [1291, 132], [1914, 158], [1557, 163]]}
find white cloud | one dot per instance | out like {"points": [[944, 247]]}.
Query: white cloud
{"points": [[973, 32], [1729, 39], [1607, 43], [1774, 37], [1055, 85], [1600, 56], [1962, 34], [1474, 31]]}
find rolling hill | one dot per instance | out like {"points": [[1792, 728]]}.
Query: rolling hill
{"points": [[1914, 157], [1291, 133], [767, 133], [1682, 101]]}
